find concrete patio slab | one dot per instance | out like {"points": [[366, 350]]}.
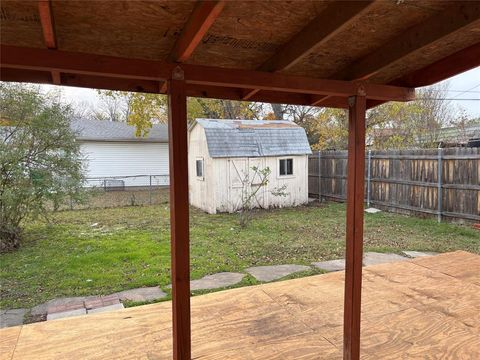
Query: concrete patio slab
{"points": [[375, 258], [107, 308], [331, 265], [274, 272], [65, 314], [12, 317]]}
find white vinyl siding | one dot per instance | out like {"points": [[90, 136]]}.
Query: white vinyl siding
{"points": [[122, 159]]}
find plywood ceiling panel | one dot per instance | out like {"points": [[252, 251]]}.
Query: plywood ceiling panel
{"points": [[248, 33], [384, 21], [20, 24], [137, 29]]}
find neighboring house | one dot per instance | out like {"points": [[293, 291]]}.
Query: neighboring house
{"points": [[223, 152], [111, 149], [456, 136], [468, 135]]}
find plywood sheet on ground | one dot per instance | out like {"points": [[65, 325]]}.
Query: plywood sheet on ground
{"points": [[427, 308]]}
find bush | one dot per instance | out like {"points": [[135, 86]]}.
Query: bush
{"points": [[40, 162]]}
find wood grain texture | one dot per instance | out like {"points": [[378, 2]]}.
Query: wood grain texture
{"points": [[410, 310], [354, 228], [248, 33], [8, 341], [406, 181], [179, 215]]}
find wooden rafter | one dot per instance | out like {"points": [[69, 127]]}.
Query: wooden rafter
{"points": [[335, 18], [48, 28], [114, 67], [461, 61], [412, 40], [46, 19], [201, 19]]}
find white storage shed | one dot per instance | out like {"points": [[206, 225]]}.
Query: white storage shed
{"points": [[223, 153]]}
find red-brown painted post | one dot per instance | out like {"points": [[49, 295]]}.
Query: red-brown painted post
{"points": [[179, 215], [354, 231]]}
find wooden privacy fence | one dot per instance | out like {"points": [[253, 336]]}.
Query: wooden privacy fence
{"points": [[407, 181]]}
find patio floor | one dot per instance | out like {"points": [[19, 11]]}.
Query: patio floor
{"points": [[418, 309]]}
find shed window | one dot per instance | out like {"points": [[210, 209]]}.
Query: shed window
{"points": [[199, 166], [286, 167]]}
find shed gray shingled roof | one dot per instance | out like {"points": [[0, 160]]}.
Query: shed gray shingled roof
{"points": [[102, 130], [254, 138]]}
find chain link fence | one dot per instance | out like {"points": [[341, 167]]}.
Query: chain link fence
{"points": [[116, 191]]}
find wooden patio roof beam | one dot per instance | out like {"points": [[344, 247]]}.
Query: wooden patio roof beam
{"points": [[150, 86], [201, 19], [412, 40], [114, 67], [457, 63], [48, 29], [46, 20], [335, 18]]}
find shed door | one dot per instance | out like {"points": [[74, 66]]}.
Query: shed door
{"points": [[259, 199], [240, 172], [237, 172]]}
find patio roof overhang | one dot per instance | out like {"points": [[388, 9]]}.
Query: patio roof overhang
{"points": [[349, 54], [367, 42]]}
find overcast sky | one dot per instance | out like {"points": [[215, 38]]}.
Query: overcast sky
{"points": [[468, 81]]}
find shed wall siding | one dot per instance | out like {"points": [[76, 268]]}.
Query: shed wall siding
{"points": [[107, 159], [201, 191], [228, 194]]}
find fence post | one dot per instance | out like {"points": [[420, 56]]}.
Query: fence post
{"points": [[319, 178], [439, 183], [369, 176], [150, 190]]}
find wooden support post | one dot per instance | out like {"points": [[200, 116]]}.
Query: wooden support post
{"points": [[354, 231], [179, 215]]}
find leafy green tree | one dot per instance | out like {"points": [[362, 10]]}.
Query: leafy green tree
{"points": [[143, 110], [40, 162]]}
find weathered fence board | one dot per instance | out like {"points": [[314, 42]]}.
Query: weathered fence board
{"points": [[407, 181]]}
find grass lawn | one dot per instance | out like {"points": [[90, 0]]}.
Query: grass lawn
{"points": [[90, 252]]}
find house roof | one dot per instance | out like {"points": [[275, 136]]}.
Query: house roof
{"points": [[102, 130], [253, 138]]}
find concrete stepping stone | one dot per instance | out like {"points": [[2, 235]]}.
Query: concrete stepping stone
{"points": [[101, 301], [415, 254], [107, 308], [65, 314], [12, 317], [215, 281], [375, 258], [42, 309], [274, 272], [331, 265], [141, 294]]}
